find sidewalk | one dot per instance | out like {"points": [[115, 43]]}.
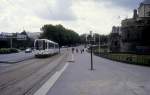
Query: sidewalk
{"points": [[108, 78], [15, 57]]}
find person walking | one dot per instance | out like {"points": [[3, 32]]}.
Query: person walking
{"points": [[72, 50]]}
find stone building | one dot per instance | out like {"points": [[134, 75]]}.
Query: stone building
{"points": [[135, 31]]}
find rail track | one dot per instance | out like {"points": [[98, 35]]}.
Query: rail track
{"points": [[19, 79]]}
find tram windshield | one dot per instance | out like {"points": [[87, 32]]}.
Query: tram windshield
{"points": [[40, 45]]}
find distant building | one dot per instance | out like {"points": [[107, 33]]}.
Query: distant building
{"points": [[7, 36], [21, 37], [8, 40], [19, 40]]}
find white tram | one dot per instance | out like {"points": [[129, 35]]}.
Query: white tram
{"points": [[45, 47]]}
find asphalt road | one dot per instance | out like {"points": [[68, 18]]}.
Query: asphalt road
{"points": [[108, 78], [25, 77], [15, 57]]}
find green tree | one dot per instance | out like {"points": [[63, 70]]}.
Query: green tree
{"points": [[59, 34]]}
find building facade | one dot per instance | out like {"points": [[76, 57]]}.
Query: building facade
{"points": [[135, 31], [144, 9]]}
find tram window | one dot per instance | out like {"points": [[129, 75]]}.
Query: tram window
{"points": [[45, 45], [51, 45], [36, 45]]}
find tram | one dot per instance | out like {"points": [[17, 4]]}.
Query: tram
{"points": [[45, 48]]}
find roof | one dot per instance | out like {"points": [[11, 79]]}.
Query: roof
{"points": [[146, 2], [50, 41]]}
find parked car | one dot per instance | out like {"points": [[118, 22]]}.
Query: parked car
{"points": [[28, 50]]}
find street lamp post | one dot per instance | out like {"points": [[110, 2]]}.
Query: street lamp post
{"points": [[99, 45], [92, 68], [92, 58]]}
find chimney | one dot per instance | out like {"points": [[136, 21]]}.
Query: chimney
{"points": [[135, 15]]}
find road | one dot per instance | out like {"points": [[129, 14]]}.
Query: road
{"points": [[15, 57], [70, 74], [108, 78], [27, 76]]}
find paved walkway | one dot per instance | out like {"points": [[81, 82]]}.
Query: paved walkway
{"points": [[108, 78]]}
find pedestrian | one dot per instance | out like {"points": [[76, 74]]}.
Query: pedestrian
{"points": [[72, 50]]}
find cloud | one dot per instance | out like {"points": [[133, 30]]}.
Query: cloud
{"points": [[79, 15], [17, 15], [59, 10], [97, 17], [63, 10], [128, 4], [46, 9]]}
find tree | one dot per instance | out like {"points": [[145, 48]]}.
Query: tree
{"points": [[25, 43], [59, 34]]}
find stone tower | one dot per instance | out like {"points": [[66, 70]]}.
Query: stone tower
{"points": [[135, 14]]}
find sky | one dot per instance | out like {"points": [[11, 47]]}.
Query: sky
{"points": [[81, 16]]}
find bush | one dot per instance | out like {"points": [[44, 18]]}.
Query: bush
{"points": [[13, 50], [4, 51], [8, 50]]}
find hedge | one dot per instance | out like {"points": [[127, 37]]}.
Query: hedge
{"points": [[8, 50]]}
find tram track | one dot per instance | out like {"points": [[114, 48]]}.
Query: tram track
{"points": [[10, 75], [11, 78], [19, 65]]}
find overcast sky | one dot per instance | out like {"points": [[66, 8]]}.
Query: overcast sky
{"points": [[79, 15]]}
